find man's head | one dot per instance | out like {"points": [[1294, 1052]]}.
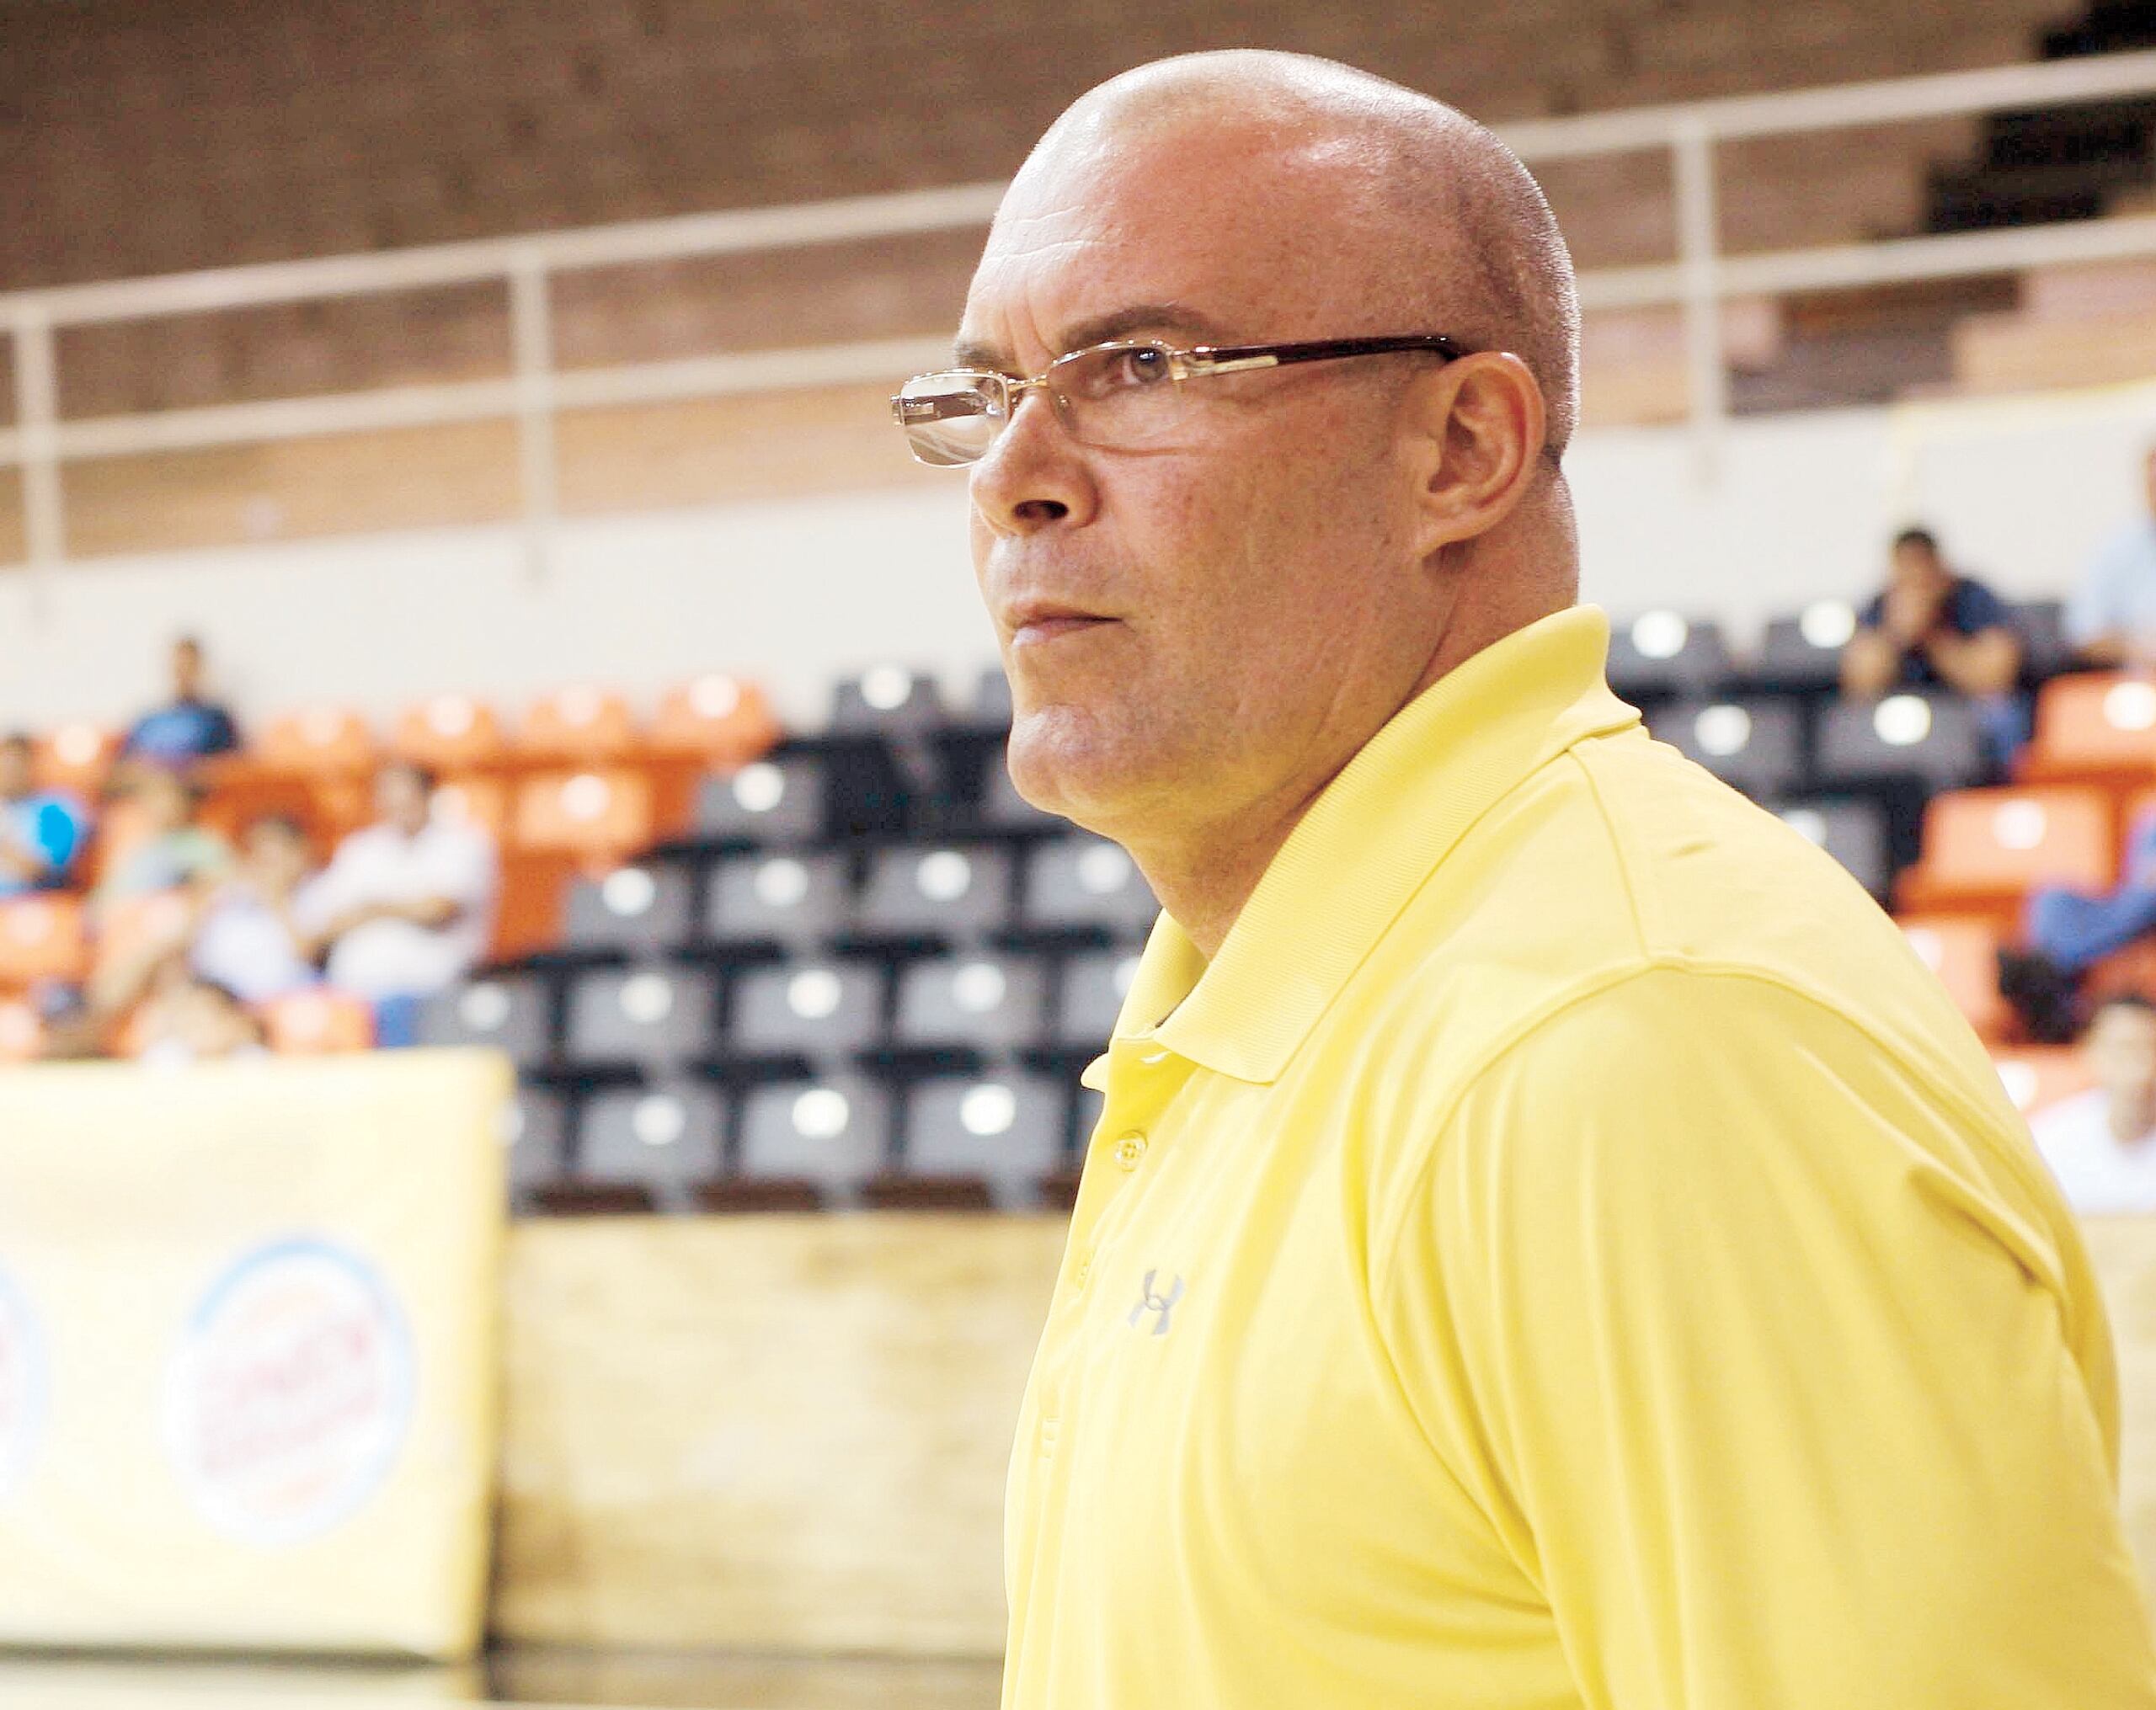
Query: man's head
{"points": [[1916, 561], [168, 799], [1196, 628], [403, 793], [16, 755], [188, 676], [274, 853], [2120, 1048]]}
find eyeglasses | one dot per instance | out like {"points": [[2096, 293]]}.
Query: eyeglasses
{"points": [[1126, 397]]}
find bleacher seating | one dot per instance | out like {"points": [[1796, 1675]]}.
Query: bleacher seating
{"points": [[858, 968]]}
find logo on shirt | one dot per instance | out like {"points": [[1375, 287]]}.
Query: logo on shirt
{"points": [[1152, 1300]]}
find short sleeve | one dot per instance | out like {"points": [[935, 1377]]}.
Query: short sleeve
{"points": [[1977, 609], [1775, 1386]]}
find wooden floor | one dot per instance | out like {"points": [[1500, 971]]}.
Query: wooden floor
{"points": [[710, 1681]]}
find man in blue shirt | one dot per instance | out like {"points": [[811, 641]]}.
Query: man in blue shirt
{"points": [[40, 830], [2111, 618], [192, 727], [1933, 628]]}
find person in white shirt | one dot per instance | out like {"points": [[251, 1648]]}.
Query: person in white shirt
{"points": [[405, 906], [2101, 1144], [2111, 618], [249, 940]]}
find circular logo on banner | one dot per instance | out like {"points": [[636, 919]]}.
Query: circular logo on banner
{"points": [[22, 1386], [289, 1392]]}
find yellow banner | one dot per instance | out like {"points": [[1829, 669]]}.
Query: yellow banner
{"points": [[247, 1353]]}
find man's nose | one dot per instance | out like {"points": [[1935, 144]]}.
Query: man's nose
{"points": [[1034, 475]]}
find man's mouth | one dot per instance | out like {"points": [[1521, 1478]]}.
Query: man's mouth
{"points": [[1035, 625]]}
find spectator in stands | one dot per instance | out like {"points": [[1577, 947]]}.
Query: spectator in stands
{"points": [[405, 907], [40, 830], [1933, 628], [2068, 932], [2111, 618], [2101, 1145], [185, 1018], [166, 849], [249, 939], [190, 726]]}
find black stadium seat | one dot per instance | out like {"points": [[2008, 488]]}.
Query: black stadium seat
{"points": [[887, 699], [1802, 653], [666, 1139], [1934, 737], [511, 1012], [794, 898], [652, 1015], [633, 909], [778, 801], [535, 1133], [1756, 745], [834, 1133], [1660, 654], [818, 1010], [987, 1003], [1007, 1130], [951, 891], [1087, 883], [1853, 831], [1094, 986]]}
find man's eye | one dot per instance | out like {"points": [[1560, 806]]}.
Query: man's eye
{"points": [[1134, 369]]}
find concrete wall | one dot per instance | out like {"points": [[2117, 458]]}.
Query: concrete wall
{"points": [[795, 591]]}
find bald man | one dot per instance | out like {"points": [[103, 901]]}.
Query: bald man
{"points": [[1549, 1243]]}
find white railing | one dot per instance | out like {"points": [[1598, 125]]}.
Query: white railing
{"points": [[1698, 280]]}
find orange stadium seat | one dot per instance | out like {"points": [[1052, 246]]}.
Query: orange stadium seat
{"points": [[1984, 849], [577, 723], [719, 719], [42, 937], [319, 739], [450, 732], [77, 757], [530, 907], [239, 792], [307, 1024], [2038, 1075], [598, 816], [480, 802], [2095, 727], [1963, 951]]}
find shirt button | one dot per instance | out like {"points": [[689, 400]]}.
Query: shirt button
{"points": [[1129, 1151], [1081, 1273]]}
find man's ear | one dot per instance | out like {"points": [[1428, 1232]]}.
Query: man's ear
{"points": [[1478, 426]]}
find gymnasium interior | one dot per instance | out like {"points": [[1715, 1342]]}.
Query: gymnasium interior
{"points": [[501, 393]]}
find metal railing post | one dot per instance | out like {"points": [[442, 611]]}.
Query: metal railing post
{"points": [[37, 418], [532, 341], [1699, 247]]}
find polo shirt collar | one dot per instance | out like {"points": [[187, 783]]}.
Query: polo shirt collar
{"points": [[1374, 836]]}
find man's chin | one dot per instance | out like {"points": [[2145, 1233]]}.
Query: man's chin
{"points": [[1063, 761]]}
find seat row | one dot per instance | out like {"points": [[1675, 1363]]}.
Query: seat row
{"points": [[1664, 655], [1070, 884], [647, 1017], [1008, 1139], [1773, 746]]}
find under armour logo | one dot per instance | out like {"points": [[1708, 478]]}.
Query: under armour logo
{"points": [[1152, 1300]]}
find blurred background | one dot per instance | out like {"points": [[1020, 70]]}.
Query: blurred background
{"points": [[541, 1048]]}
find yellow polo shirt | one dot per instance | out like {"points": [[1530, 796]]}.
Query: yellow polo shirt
{"points": [[1564, 1250]]}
